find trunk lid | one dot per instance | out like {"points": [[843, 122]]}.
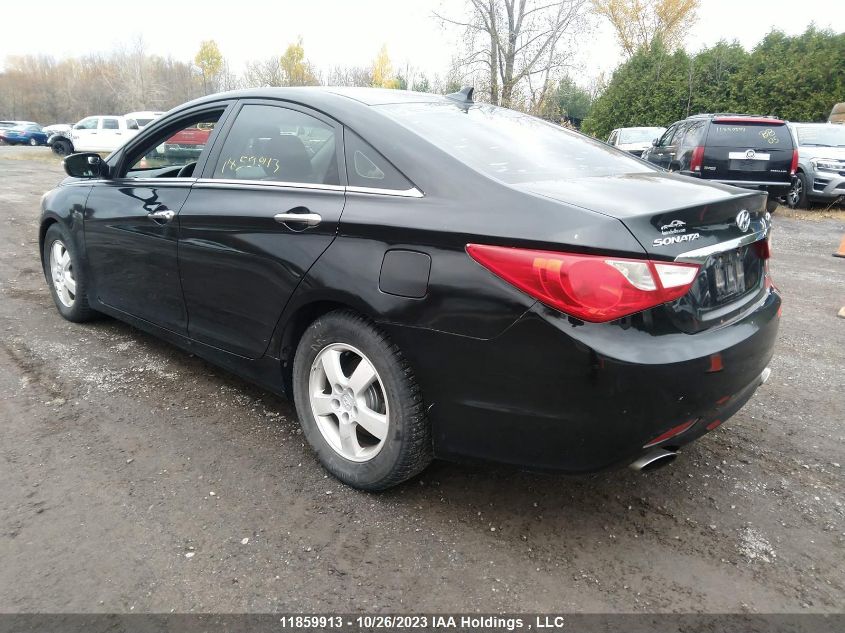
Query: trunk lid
{"points": [[674, 216], [747, 149]]}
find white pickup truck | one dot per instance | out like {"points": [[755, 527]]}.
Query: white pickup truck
{"points": [[102, 133]]}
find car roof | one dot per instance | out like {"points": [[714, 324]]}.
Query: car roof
{"points": [[325, 95]]}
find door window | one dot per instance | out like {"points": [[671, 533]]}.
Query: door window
{"points": [[666, 139], [365, 167], [87, 124], [175, 150], [111, 124], [277, 144]]}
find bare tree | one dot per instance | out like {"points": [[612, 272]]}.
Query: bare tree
{"points": [[514, 42], [638, 23]]}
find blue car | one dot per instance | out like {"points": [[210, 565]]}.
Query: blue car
{"points": [[30, 134]]}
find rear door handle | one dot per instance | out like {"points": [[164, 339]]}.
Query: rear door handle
{"points": [[162, 216], [309, 219]]}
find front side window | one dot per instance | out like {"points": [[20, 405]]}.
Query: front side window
{"points": [[667, 136], [173, 149], [365, 167], [508, 145], [88, 124], [111, 124], [278, 144]]}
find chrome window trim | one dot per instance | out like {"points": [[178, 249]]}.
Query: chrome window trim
{"points": [[228, 183], [413, 192], [248, 184], [701, 255]]}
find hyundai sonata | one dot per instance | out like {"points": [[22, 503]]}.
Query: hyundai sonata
{"points": [[426, 276]]}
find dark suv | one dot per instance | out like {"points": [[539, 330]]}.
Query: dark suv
{"points": [[753, 152]]}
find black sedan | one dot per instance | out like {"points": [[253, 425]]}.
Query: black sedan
{"points": [[427, 277]]}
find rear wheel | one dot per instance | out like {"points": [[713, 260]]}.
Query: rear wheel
{"points": [[797, 196], [358, 403], [65, 275], [33, 141]]}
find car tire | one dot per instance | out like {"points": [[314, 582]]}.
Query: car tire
{"points": [[33, 142], [62, 147], [796, 198], [62, 264], [332, 404]]}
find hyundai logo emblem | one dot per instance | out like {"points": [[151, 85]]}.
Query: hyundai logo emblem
{"points": [[743, 220]]}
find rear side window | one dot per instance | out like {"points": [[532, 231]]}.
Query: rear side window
{"points": [[111, 124], [279, 144], [695, 134], [740, 134], [365, 167]]}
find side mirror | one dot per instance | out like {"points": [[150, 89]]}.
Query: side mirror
{"points": [[85, 165], [654, 142]]}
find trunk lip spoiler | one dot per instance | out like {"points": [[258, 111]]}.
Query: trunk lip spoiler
{"points": [[758, 231]]}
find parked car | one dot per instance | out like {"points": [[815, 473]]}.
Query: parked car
{"points": [[821, 163], [437, 278], [634, 140], [27, 134], [4, 125], [188, 143], [102, 133], [753, 152], [143, 118]]}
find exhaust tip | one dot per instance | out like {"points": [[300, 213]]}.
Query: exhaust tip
{"points": [[765, 375], [654, 459]]}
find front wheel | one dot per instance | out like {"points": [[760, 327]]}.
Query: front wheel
{"points": [[797, 196], [62, 147], [358, 403], [64, 273]]}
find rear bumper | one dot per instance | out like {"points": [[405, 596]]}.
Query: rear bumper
{"points": [[555, 394]]}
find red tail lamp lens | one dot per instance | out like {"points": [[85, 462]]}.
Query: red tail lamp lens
{"points": [[697, 158], [593, 288], [794, 167]]}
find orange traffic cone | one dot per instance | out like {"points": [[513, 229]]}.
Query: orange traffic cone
{"points": [[841, 251]]}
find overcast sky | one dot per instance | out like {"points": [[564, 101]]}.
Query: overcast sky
{"points": [[344, 32]]}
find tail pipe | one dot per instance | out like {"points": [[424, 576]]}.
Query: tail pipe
{"points": [[654, 459]]}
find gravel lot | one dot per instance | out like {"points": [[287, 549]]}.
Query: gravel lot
{"points": [[137, 477]]}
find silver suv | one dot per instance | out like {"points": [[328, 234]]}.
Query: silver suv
{"points": [[821, 163]]}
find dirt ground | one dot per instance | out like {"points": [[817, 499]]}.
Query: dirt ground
{"points": [[138, 478]]}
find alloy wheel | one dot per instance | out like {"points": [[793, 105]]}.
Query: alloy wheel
{"points": [[794, 195], [61, 270], [348, 401]]}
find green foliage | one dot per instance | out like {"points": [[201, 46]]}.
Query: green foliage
{"points": [[798, 78], [573, 101]]}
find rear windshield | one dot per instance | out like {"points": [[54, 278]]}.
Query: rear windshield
{"points": [[821, 135], [143, 122], [756, 135], [511, 146]]}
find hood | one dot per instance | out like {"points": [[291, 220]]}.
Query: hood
{"points": [[808, 151]]}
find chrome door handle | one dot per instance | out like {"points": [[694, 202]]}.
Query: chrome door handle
{"points": [[162, 215], [310, 219]]}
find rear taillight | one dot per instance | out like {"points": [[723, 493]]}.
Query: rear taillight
{"points": [[697, 158], [794, 166], [593, 288], [763, 249]]}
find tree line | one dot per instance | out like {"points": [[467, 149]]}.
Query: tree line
{"points": [[47, 90], [797, 78]]}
